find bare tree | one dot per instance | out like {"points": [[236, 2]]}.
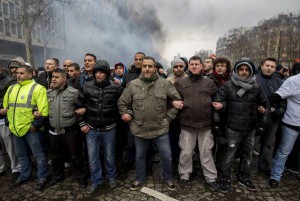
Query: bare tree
{"points": [[277, 37], [31, 11]]}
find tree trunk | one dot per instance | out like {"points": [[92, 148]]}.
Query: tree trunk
{"points": [[28, 46]]}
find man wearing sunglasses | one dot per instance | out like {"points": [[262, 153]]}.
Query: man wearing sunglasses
{"points": [[178, 70]]}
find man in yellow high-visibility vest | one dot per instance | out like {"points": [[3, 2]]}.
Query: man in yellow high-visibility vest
{"points": [[19, 103]]}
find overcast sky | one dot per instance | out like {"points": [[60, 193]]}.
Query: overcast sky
{"points": [[192, 25]]}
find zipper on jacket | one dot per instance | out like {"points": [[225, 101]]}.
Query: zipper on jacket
{"points": [[58, 111], [14, 114]]}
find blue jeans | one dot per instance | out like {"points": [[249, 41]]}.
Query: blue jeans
{"points": [[105, 140], [288, 139], [163, 146], [34, 142]]}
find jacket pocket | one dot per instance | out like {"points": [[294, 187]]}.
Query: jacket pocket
{"points": [[68, 99], [50, 98], [161, 102], [138, 102], [68, 114]]}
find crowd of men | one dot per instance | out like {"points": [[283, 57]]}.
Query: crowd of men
{"points": [[93, 117]]}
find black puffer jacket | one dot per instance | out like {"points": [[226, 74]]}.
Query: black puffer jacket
{"points": [[242, 114], [100, 103]]}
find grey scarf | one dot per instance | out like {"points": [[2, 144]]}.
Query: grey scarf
{"points": [[245, 85]]}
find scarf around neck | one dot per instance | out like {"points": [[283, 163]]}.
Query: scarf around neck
{"points": [[245, 84]]}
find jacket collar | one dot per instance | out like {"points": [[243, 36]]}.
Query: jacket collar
{"points": [[26, 82]]}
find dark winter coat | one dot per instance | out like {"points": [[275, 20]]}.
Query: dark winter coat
{"points": [[100, 103], [132, 74], [44, 79], [5, 82], [242, 113], [197, 98]]}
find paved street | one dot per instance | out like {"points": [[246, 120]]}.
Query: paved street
{"points": [[289, 189]]}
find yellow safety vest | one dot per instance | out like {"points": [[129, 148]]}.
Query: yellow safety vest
{"points": [[20, 100]]}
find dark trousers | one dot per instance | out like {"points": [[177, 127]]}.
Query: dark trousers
{"points": [[233, 140], [267, 146], [121, 138], [70, 142], [174, 132]]}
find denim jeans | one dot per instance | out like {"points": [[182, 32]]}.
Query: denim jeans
{"points": [[267, 146], [106, 140], [233, 141], [163, 146], [34, 142], [288, 139]]}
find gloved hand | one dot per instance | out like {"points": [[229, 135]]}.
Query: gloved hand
{"points": [[221, 139], [275, 115], [261, 130]]}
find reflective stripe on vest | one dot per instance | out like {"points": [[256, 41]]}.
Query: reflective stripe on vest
{"points": [[24, 105]]}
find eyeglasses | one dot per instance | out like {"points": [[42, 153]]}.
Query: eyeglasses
{"points": [[178, 66], [66, 65]]}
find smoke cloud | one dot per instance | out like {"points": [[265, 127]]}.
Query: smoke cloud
{"points": [[113, 30], [116, 29]]}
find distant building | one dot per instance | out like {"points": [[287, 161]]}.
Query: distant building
{"points": [[47, 34]]}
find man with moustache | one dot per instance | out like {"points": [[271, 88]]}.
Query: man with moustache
{"points": [[63, 130], [241, 97], [195, 120], [100, 97], [177, 66], [144, 105], [45, 77]]}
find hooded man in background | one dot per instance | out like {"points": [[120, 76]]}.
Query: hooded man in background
{"points": [[120, 70], [13, 65]]}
